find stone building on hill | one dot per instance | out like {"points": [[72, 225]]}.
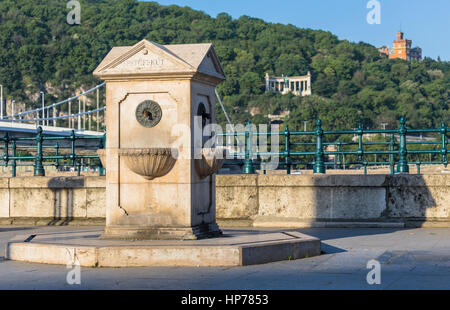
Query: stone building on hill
{"points": [[402, 50], [298, 85]]}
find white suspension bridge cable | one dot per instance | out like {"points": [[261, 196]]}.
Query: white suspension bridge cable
{"points": [[55, 104], [55, 118], [14, 119], [225, 112], [223, 108]]}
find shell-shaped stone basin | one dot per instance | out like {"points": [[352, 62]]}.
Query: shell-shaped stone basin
{"points": [[102, 155], [150, 163], [212, 160]]}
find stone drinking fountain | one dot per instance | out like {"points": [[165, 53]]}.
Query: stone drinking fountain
{"points": [[156, 187], [160, 173]]}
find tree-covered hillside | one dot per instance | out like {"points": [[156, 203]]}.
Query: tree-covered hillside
{"points": [[39, 51]]}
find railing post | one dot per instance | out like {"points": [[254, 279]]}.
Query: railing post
{"points": [[360, 133], [391, 156], [101, 147], [6, 155], [248, 165], [72, 145], [57, 154], [14, 154], [403, 151], [287, 149], [38, 167], [444, 144], [239, 148], [78, 168], [104, 140], [319, 166], [338, 162]]}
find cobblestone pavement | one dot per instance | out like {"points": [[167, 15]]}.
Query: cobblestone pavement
{"points": [[409, 258]]}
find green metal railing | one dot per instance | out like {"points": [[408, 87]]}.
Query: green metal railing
{"points": [[38, 152], [293, 149], [393, 151]]}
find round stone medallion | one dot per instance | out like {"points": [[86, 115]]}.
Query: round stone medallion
{"points": [[148, 113]]}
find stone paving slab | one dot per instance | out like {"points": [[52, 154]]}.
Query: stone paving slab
{"points": [[233, 249], [421, 262]]}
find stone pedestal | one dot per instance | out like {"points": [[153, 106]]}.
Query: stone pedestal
{"points": [[158, 99], [160, 181], [240, 248]]}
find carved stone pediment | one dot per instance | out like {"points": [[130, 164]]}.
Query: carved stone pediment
{"points": [[147, 58]]}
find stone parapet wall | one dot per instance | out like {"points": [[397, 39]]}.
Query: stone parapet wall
{"points": [[251, 200], [333, 200], [52, 200]]}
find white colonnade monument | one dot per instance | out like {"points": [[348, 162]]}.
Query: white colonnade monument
{"points": [[297, 85]]}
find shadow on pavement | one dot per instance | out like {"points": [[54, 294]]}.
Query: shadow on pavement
{"points": [[7, 229]]}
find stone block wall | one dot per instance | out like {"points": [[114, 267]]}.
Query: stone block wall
{"points": [[334, 200], [251, 200], [52, 200]]}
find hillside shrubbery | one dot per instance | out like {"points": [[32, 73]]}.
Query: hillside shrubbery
{"points": [[39, 50]]}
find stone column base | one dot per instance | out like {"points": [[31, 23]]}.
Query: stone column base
{"points": [[161, 233]]}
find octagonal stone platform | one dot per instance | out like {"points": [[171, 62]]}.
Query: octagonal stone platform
{"points": [[235, 248]]}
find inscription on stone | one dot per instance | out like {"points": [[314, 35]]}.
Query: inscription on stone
{"points": [[143, 62]]}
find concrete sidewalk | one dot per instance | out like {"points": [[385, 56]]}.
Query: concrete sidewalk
{"points": [[410, 259]]}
